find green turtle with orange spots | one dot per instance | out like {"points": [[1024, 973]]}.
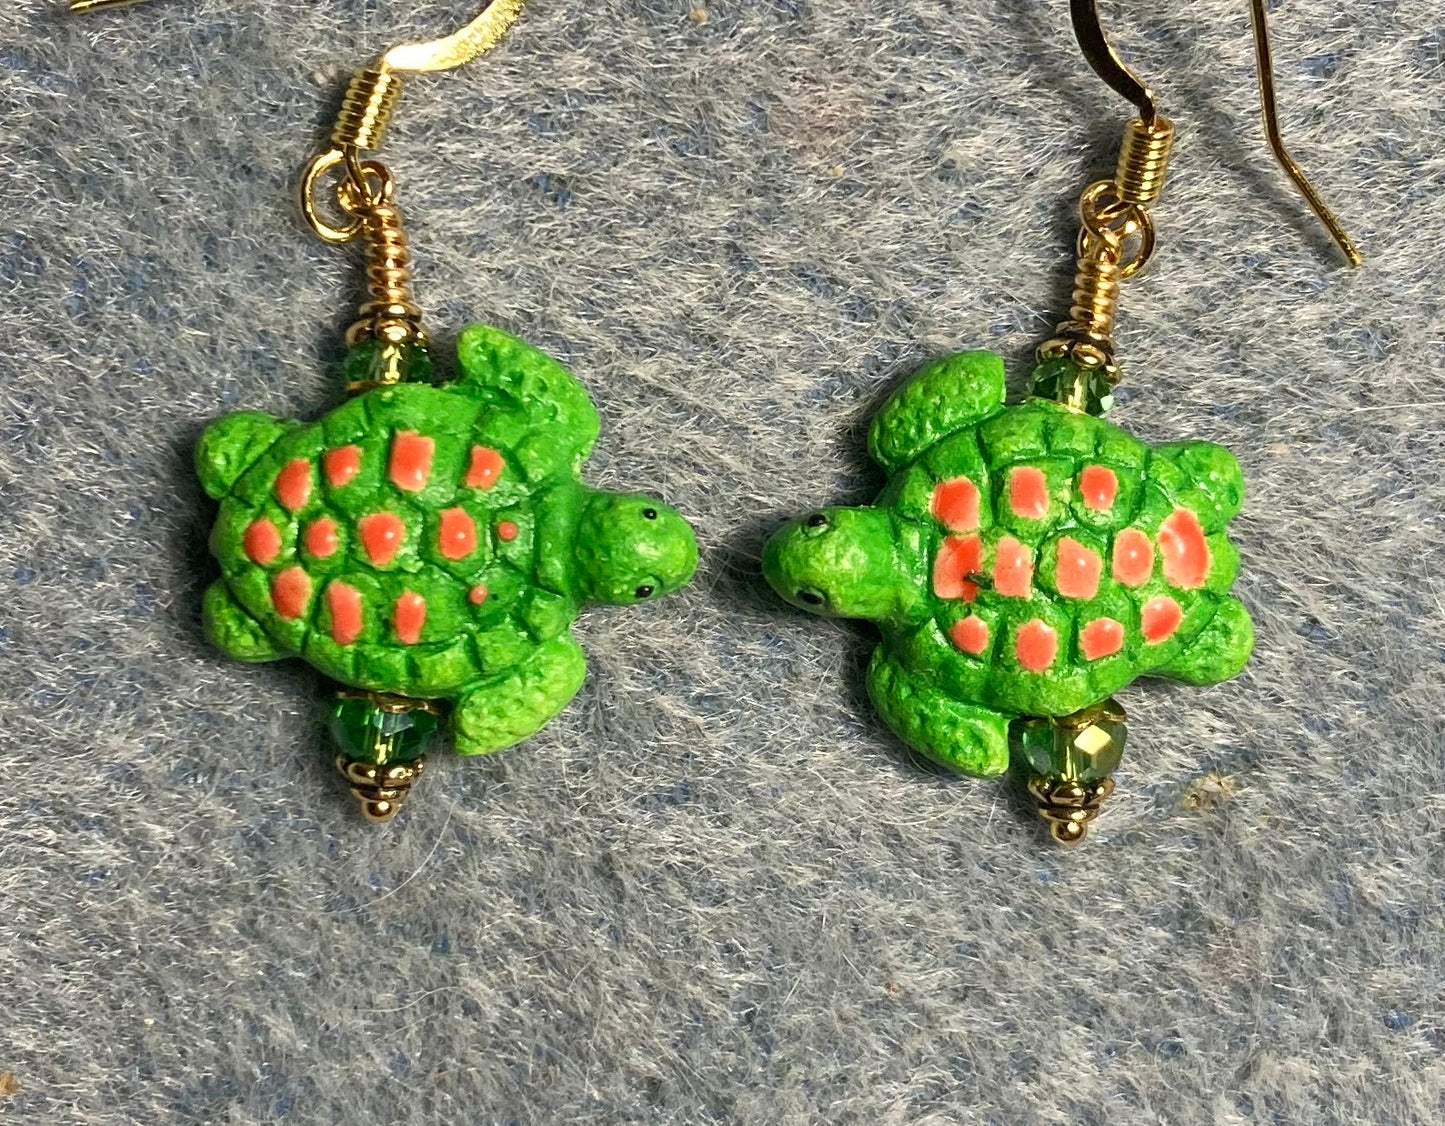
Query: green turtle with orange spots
{"points": [[1022, 561], [433, 541]]}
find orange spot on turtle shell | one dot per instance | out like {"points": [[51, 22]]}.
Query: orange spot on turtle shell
{"points": [[1036, 645], [408, 617], [478, 594], [969, 634], [341, 465], [958, 557], [1013, 568], [484, 468], [457, 533], [261, 541], [1028, 492], [1159, 618], [1186, 555], [321, 537], [1103, 637], [290, 592], [507, 531], [381, 535], [344, 602], [293, 484], [955, 504], [1078, 571], [410, 465], [1098, 486], [1133, 557]]}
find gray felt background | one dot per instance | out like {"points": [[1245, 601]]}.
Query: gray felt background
{"points": [[717, 891]]}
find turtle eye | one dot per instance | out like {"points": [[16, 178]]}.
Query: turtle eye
{"points": [[644, 591], [810, 597], [817, 520], [649, 514]]}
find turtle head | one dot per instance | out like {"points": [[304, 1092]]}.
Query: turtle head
{"points": [[632, 548], [837, 561]]}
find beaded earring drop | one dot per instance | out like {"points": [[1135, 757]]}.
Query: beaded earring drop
{"points": [[423, 544], [1025, 563]]}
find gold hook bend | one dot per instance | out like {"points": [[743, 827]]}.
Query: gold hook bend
{"points": [[461, 47], [450, 51], [1089, 31], [96, 5], [1264, 68]]}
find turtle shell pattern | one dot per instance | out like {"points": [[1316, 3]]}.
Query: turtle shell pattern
{"points": [[1059, 557], [394, 543]]}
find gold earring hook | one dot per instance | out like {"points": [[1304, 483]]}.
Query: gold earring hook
{"points": [[94, 5], [1106, 63], [371, 98], [446, 53], [460, 47], [1100, 54]]}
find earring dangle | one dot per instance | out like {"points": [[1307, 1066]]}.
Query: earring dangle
{"points": [[422, 544], [1025, 563]]}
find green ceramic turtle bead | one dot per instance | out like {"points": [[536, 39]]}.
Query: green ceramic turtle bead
{"points": [[1022, 561], [432, 541]]}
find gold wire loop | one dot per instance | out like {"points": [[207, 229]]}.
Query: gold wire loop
{"points": [[1125, 227], [368, 185], [310, 182]]}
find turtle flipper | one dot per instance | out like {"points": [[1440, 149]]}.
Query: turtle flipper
{"points": [[497, 715], [1202, 476], [231, 445], [1220, 650], [510, 374], [965, 737], [230, 627], [940, 399]]}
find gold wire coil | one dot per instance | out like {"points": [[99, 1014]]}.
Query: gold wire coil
{"points": [[392, 313], [1144, 160], [1096, 291], [1088, 335], [1116, 241], [366, 110]]}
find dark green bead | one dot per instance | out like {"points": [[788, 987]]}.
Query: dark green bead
{"points": [[1063, 381], [1084, 747], [365, 732], [379, 361]]}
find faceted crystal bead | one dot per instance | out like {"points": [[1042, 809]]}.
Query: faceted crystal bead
{"points": [[1084, 747], [382, 729], [380, 361], [1063, 381]]}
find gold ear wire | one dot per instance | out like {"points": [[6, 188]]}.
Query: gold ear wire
{"points": [[94, 5], [1264, 67], [365, 189], [1101, 55]]}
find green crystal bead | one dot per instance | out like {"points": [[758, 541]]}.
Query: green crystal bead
{"points": [[380, 361], [365, 731], [1084, 747], [1063, 381]]}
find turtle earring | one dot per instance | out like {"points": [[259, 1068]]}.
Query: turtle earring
{"points": [[1026, 562], [422, 544]]}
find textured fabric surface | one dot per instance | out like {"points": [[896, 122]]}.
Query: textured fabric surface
{"points": [[717, 890]]}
